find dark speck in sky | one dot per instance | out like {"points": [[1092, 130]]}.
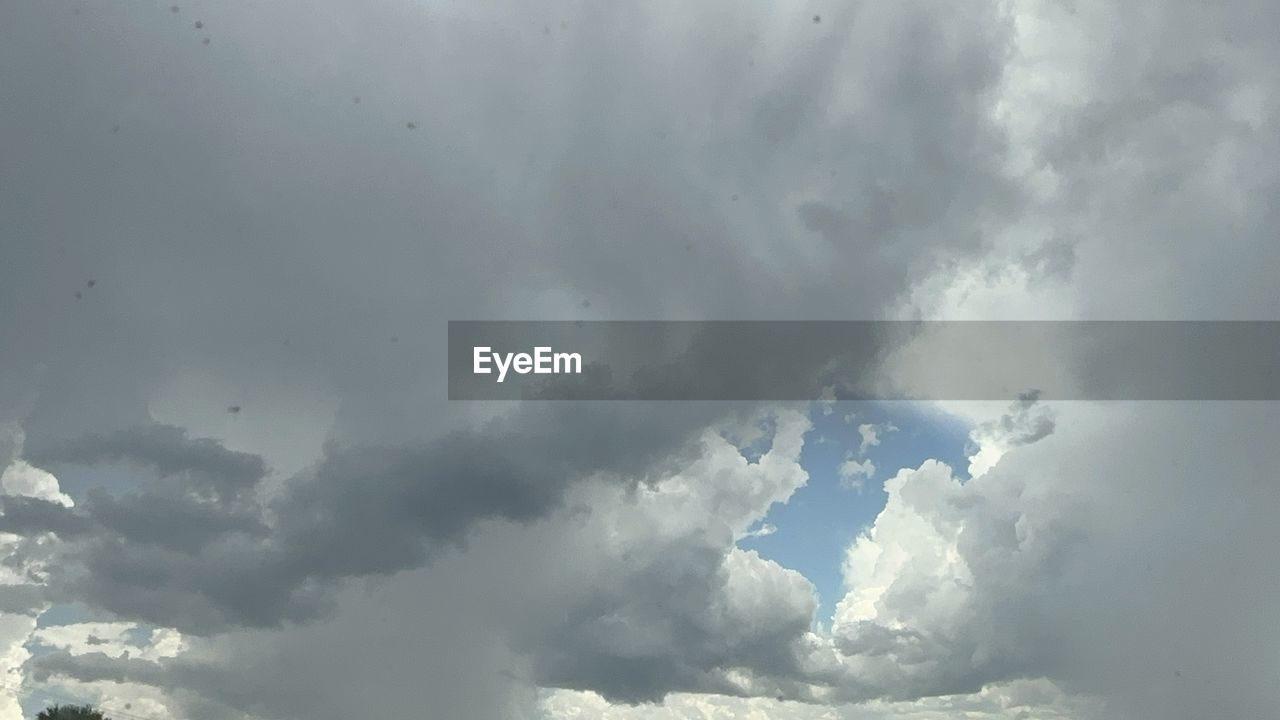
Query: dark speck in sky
{"points": [[233, 409], [173, 8], [734, 198], [78, 295], [199, 24], [115, 128], [356, 100], [204, 41], [411, 126], [817, 19], [91, 282]]}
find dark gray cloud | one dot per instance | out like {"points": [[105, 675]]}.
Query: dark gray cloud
{"points": [[29, 515], [276, 234], [165, 555], [642, 611], [95, 666], [261, 229], [163, 448], [258, 228], [22, 599], [178, 523]]}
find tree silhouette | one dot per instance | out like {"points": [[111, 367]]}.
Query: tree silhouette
{"points": [[71, 712]]}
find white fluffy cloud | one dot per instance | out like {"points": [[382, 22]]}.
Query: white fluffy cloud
{"points": [[1095, 556]]}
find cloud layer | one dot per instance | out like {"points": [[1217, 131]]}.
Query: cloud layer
{"points": [[227, 268]]}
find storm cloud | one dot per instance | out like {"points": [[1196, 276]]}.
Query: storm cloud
{"points": [[224, 289]]}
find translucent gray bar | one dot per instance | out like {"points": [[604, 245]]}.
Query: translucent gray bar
{"points": [[867, 360]]}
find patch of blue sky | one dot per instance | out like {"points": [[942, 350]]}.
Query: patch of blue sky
{"points": [[65, 614], [114, 478], [812, 531], [40, 698]]}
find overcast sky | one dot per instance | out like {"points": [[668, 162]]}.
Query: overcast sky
{"points": [[231, 236]]}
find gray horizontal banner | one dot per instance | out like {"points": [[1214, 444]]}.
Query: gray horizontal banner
{"points": [[863, 360]]}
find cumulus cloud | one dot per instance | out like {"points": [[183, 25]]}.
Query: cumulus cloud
{"points": [[1024, 423], [21, 479], [1035, 568], [165, 554], [658, 598]]}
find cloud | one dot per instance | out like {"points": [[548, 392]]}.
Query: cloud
{"points": [[165, 555], [1019, 699], [20, 478], [870, 434], [165, 449], [28, 516], [272, 267], [658, 598], [668, 602], [1026, 422], [854, 472], [15, 629], [249, 225], [22, 599], [1064, 558]]}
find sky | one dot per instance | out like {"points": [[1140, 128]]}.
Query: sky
{"points": [[810, 532], [232, 235]]}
